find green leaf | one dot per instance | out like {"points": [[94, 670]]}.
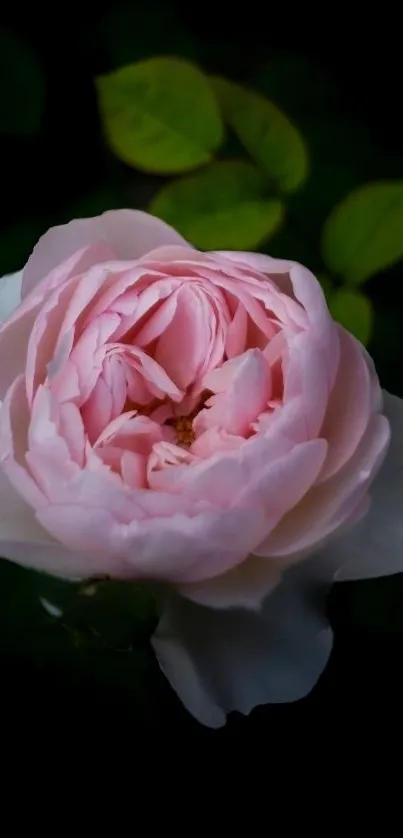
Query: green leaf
{"points": [[160, 115], [354, 311], [268, 135], [22, 87], [364, 233], [220, 207]]}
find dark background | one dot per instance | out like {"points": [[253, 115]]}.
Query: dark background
{"points": [[335, 71]]}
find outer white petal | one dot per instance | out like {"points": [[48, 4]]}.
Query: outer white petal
{"points": [[221, 661], [10, 294], [375, 546]]}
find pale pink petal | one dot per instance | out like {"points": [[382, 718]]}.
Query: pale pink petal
{"points": [[279, 486], [48, 456], [23, 540], [79, 261], [287, 420], [235, 660], [235, 341], [49, 556], [258, 262], [245, 586], [213, 441], [45, 341], [223, 476], [329, 505], [97, 410], [158, 321], [174, 549], [184, 549], [157, 380], [267, 475], [114, 373], [164, 455], [243, 386], [129, 233], [375, 546], [134, 470], [86, 360], [71, 428], [132, 433], [307, 377], [300, 281], [183, 345], [293, 278], [14, 425], [171, 253], [349, 407], [121, 287]]}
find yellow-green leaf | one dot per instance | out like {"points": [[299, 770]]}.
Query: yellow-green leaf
{"points": [[354, 311], [364, 233], [268, 135], [220, 207], [160, 115]]}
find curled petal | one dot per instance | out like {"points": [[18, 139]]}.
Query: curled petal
{"points": [[243, 386]]}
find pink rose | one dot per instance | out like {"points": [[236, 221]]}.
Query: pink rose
{"points": [[192, 418]]}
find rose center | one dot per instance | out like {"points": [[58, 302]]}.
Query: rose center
{"points": [[185, 434]]}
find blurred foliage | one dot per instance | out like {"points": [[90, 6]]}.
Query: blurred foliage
{"points": [[354, 311], [363, 234], [97, 118], [160, 115], [271, 140], [221, 206]]}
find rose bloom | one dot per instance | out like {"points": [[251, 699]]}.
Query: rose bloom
{"points": [[195, 419]]}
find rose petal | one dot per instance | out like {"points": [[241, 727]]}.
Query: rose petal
{"points": [[243, 385], [307, 376], [350, 405], [245, 586], [14, 426], [185, 342], [23, 540], [221, 661], [173, 548], [375, 546], [130, 234], [15, 331], [333, 504]]}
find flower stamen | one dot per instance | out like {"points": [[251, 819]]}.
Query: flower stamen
{"points": [[185, 434]]}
